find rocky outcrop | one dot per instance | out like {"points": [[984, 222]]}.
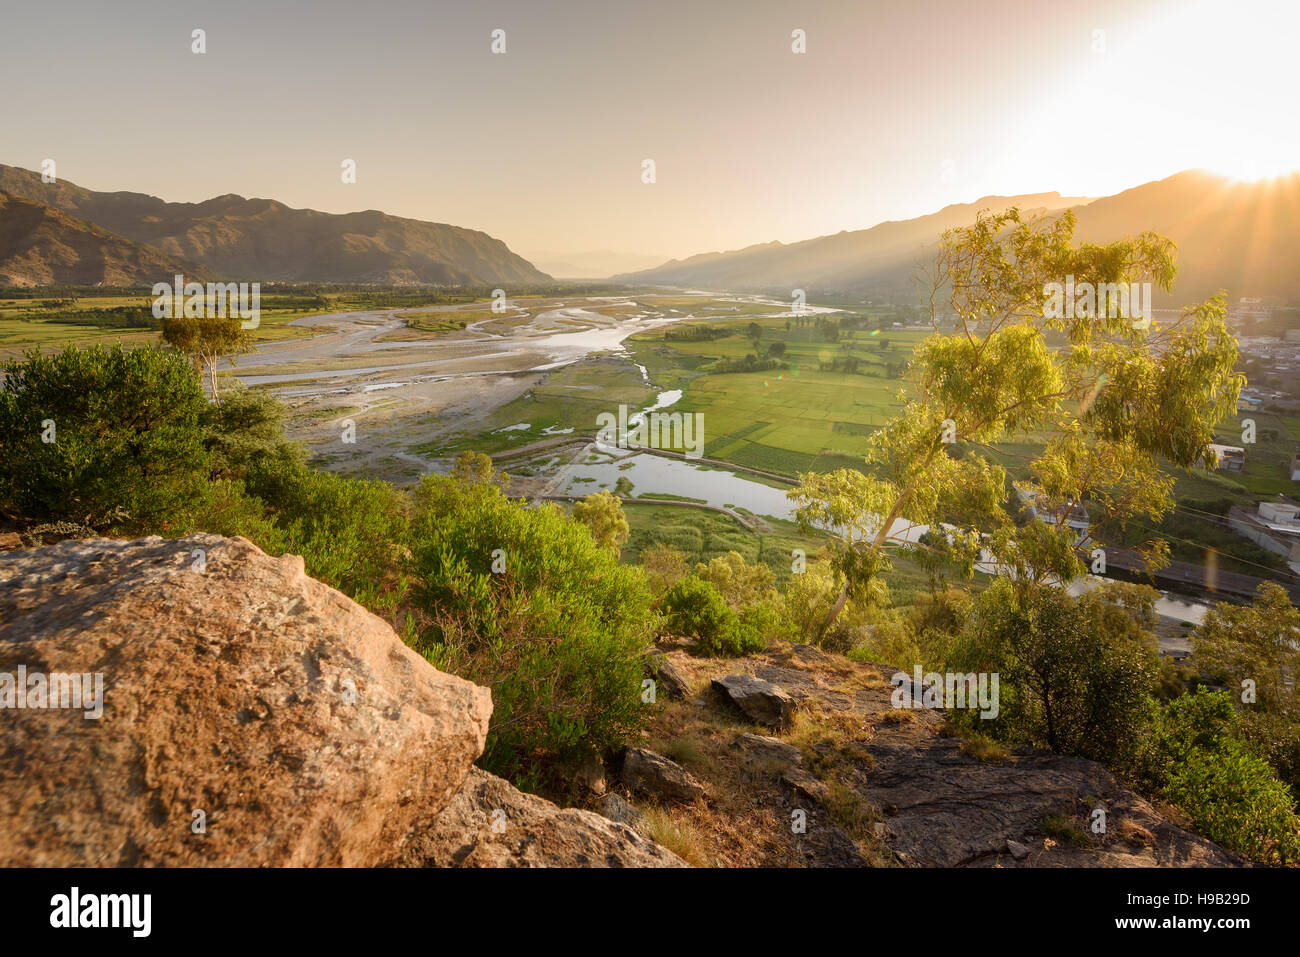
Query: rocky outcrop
{"points": [[614, 807], [764, 751], [875, 784], [491, 824], [249, 716], [945, 809]]}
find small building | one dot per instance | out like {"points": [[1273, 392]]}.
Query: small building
{"points": [[1076, 516], [1295, 467], [1228, 458], [1274, 527]]}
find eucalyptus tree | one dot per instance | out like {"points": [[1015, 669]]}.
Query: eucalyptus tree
{"points": [[207, 340], [1044, 344]]}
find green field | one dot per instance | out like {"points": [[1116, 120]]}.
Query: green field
{"points": [[788, 421], [82, 317]]}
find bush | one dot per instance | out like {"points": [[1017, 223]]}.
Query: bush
{"points": [[104, 437], [245, 436], [663, 566], [751, 363], [602, 513], [557, 631], [694, 608], [1230, 794], [349, 532], [1066, 682], [739, 582]]}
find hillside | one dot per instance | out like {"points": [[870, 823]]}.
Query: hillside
{"points": [[1232, 235], [360, 753], [264, 240], [883, 256], [315, 737], [42, 245], [1237, 236]]}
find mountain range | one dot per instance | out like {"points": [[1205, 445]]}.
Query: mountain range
{"points": [[1238, 236], [86, 236]]}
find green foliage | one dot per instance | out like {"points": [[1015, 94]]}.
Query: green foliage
{"points": [[663, 566], [206, 340], [349, 532], [1255, 643], [1231, 795], [127, 450], [694, 608], [750, 363], [763, 623], [471, 466], [245, 435], [739, 582], [602, 513], [1114, 395], [558, 632], [1067, 683]]}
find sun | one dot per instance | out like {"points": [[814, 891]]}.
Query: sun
{"points": [[1250, 170]]}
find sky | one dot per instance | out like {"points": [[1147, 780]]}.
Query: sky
{"points": [[896, 109]]}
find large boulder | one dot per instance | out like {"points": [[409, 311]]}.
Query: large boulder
{"points": [[489, 823], [251, 715], [763, 702], [648, 771]]}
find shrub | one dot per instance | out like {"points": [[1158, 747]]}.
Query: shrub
{"points": [[764, 622], [663, 566], [126, 445], [1066, 683], [694, 608], [245, 435], [557, 631], [1230, 794], [349, 532], [602, 513], [739, 582]]}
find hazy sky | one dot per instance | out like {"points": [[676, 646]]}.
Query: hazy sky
{"points": [[898, 108]]}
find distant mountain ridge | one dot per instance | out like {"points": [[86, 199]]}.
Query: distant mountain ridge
{"points": [[844, 260], [1242, 237], [264, 240], [41, 245]]}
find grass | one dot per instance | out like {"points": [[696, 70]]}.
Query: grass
{"points": [[784, 421], [673, 830], [985, 749], [27, 323], [704, 535], [1063, 830]]}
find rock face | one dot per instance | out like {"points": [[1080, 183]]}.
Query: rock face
{"points": [[615, 808], [764, 702], [297, 725], [294, 721], [945, 809], [878, 784], [491, 824], [644, 770]]}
